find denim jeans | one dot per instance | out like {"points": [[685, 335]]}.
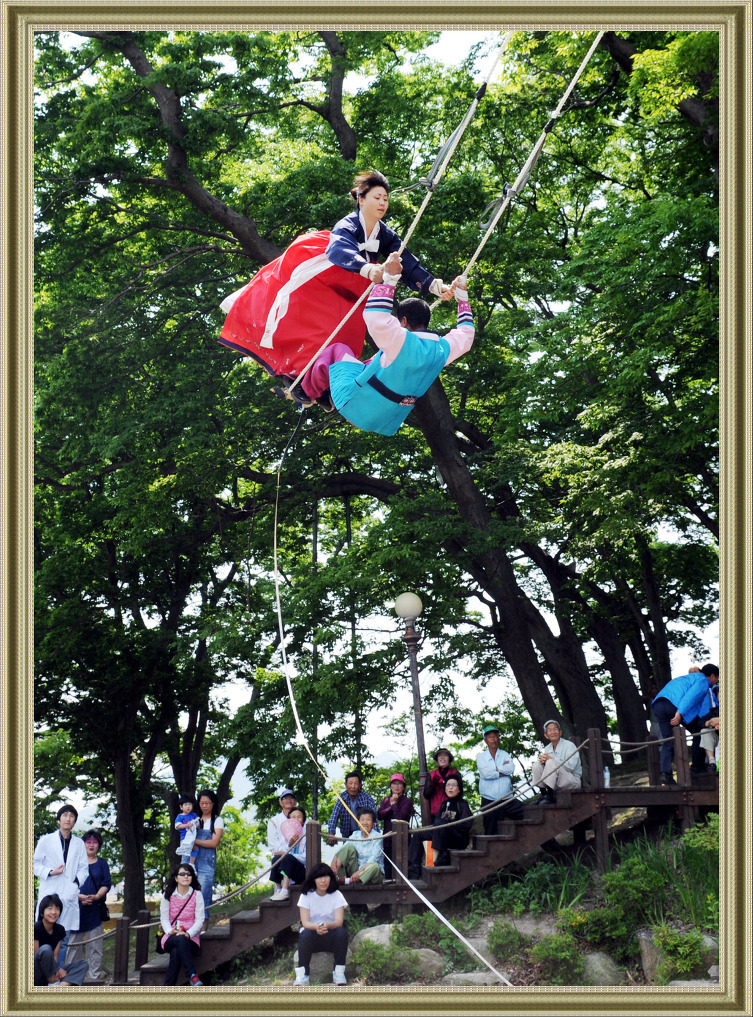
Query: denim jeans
{"points": [[206, 863]]}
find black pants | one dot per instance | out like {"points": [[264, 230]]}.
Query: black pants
{"points": [[416, 853], [183, 951], [511, 809], [289, 866], [334, 941], [442, 837], [445, 837], [664, 711]]}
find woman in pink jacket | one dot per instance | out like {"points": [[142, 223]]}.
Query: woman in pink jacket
{"points": [[182, 916]]}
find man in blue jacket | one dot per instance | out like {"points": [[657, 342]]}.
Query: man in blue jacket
{"points": [[681, 701], [495, 768]]}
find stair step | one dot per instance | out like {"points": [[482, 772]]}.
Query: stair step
{"points": [[217, 932], [158, 963], [245, 917], [483, 841]]}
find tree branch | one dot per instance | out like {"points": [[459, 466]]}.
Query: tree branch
{"points": [[177, 168]]}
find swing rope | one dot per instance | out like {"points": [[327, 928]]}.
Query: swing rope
{"points": [[510, 192], [431, 182]]}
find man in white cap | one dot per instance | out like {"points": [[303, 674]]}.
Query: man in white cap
{"points": [[277, 841], [495, 768], [557, 765]]}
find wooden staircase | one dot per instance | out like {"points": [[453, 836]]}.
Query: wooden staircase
{"points": [[587, 807], [221, 943]]}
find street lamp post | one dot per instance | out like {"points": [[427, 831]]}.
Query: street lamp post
{"points": [[408, 606]]}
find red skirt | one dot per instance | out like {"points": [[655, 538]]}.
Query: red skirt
{"points": [[292, 305]]}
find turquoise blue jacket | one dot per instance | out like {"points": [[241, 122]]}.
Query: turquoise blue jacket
{"points": [[358, 389]]}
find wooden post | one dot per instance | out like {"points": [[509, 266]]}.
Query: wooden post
{"points": [[681, 757], [313, 845], [595, 758], [143, 934], [599, 818], [120, 964], [400, 854], [688, 812], [652, 761]]}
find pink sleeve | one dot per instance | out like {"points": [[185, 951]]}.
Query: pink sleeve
{"points": [[383, 326], [461, 338]]}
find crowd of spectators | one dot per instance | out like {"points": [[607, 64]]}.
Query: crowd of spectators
{"points": [[74, 880]]}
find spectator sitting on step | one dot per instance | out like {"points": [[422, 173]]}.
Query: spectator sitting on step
{"points": [[495, 767], [48, 935], [681, 701], [397, 806], [709, 738], [322, 909], [447, 833], [557, 766], [278, 843], [355, 798], [181, 913], [361, 858], [292, 867]]}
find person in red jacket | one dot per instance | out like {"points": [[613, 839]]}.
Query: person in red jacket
{"points": [[434, 787]]}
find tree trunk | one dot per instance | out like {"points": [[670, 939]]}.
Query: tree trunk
{"points": [[131, 832], [628, 702], [490, 567]]}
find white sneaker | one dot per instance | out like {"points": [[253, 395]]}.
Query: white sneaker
{"points": [[276, 894], [338, 975], [282, 895], [301, 978]]}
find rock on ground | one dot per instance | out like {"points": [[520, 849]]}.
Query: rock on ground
{"points": [[544, 925], [472, 978], [483, 949], [381, 934], [651, 955], [321, 968], [431, 963]]}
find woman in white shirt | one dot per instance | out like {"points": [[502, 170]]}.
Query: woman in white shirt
{"points": [[322, 908]]}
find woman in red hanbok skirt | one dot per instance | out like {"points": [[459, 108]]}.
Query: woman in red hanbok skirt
{"points": [[289, 309]]}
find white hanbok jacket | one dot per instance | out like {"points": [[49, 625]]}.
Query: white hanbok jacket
{"points": [[48, 854]]}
